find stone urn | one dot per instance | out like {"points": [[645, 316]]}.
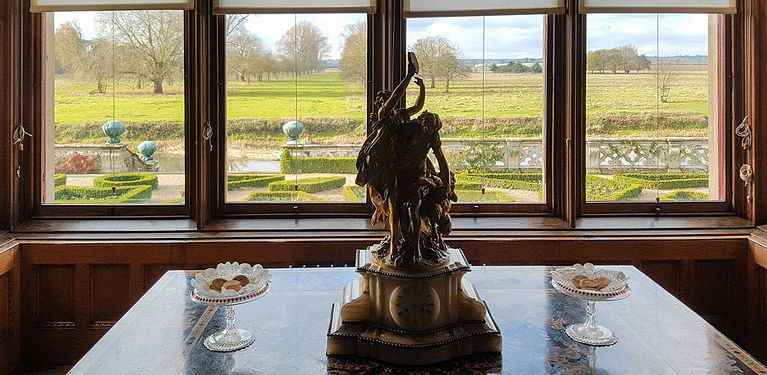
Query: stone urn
{"points": [[147, 149], [293, 129], [113, 129]]}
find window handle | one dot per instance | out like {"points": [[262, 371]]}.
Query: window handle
{"points": [[207, 134], [744, 131]]}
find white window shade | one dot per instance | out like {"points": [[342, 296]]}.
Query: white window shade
{"points": [[447, 8], [37, 6], [293, 6], [657, 6]]}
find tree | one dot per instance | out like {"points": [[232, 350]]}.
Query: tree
{"points": [[354, 56], [621, 59], [152, 42], [82, 58], [303, 46], [234, 22], [438, 57], [666, 78], [597, 60], [246, 55], [537, 68]]}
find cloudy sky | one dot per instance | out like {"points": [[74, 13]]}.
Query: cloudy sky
{"points": [[504, 36]]}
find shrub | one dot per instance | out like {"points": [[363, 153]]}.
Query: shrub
{"points": [[59, 179], [77, 163], [664, 181], [468, 185], [244, 181], [685, 195], [289, 164], [309, 185], [502, 183], [354, 193], [180, 200], [101, 195], [281, 196], [491, 196], [605, 189], [126, 179], [616, 122], [529, 176]]}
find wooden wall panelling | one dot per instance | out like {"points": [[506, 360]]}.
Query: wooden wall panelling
{"points": [[10, 300], [757, 294]]}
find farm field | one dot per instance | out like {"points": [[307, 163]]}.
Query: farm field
{"points": [[333, 110]]}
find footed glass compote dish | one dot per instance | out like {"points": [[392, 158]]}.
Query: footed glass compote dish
{"points": [[227, 285], [591, 284]]}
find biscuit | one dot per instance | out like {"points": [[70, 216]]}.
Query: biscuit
{"points": [[242, 279], [217, 284], [233, 285]]}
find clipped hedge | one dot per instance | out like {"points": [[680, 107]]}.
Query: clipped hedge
{"points": [[685, 195], [289, 164], [126, 179], [605, 189], [101, 195], [502, 183], [59, 179], [664, 181], [530, 177], [354, 193], [244, 181], [309, 185], [490, 196], [468, 185], [281, 196]]}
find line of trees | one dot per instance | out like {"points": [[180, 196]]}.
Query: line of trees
{"points": [[624, 59], [516, 67], [439, 58]]}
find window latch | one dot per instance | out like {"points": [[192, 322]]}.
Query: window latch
{"points": [[207, 134], [744, 131]]}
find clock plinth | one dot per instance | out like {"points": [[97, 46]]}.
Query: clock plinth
{"points": [[412, 317]]}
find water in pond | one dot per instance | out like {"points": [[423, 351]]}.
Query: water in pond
{"points": [[175, 164]]}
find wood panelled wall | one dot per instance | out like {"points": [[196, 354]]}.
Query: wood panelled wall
{"points": [[75, 291], [10, 301], [757, 309]]}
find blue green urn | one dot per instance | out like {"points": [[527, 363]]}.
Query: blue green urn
{"points": [[147, 149], [293, 129], [113, 129]]}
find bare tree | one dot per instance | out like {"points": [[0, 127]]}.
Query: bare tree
{"points": [[152, 41], [234, 22], [438, 57], [83, 58], [667, 76], [354, 56], [304, 46]]}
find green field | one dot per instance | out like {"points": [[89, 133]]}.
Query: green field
{"points": [[334, 110]]}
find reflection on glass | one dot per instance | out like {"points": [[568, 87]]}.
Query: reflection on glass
{"points": [[651, 115], [296, 106], [115, 124]]}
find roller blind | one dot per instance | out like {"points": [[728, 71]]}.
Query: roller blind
{"points": [[37, 6], [293, 6], [657, 6], [446, 8]]}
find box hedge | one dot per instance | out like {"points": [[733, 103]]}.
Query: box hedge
{"points": [[490, 196], [685, 195], [501, 183], [289, 164], [664, 181], [309, 185], [59, 179], [354, 193], [126, 179], [101, 195], [281, 196], [605, 189], [244, 181]]}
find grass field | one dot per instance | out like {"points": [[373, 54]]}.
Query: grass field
{"points": [[334, 110]]}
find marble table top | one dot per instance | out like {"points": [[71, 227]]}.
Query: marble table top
{"points": [[163, 332]]}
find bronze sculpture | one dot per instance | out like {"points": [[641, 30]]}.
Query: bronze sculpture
{"points": [[406, 189]]}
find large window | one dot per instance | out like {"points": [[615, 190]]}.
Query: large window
{"points": [[296, 106], [114, 124]]}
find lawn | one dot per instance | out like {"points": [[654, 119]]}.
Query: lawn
{"points": [[334, 110]]}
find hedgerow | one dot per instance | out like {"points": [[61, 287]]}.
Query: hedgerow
{"points": [[289, 164], [685, 195], [354, 193], [244, 181], [502, 183], [281, 196], [605, 189], [309, 185], [664, 181], [59, 179], [101, 195], [491, 196], [126, 179]]}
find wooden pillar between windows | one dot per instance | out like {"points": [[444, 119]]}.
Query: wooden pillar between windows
{"points": [[755, 74]]}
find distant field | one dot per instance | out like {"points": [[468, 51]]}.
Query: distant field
{"points": [[511, 104]]}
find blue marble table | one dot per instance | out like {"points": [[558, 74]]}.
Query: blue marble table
{"points": [[162, 333]]}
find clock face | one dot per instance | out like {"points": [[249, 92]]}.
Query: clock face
{"points": [[414, 306]]}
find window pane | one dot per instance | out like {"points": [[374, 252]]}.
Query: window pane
{"points": [[652, 126], [115, 118], [296, 106], [484, 77]]}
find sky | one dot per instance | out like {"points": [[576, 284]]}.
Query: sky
{"points": [[504, 36]]}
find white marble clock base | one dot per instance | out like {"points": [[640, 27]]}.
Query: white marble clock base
{"points": [[411, 317]]}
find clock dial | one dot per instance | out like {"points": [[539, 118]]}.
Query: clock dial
{"points": [[414, 306]]}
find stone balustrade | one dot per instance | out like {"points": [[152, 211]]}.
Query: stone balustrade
{"points": [[107, 158]]}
